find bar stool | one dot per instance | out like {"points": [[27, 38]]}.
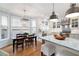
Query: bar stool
{"points": [[48, 49]]}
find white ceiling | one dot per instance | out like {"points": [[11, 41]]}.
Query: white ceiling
{"points": [[36, 10]]}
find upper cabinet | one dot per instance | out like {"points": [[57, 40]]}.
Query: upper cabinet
{"points": [[55, 26], [74, 25]]}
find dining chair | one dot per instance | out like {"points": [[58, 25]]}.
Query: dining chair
{"points": [[29, 41], [19, 35], [19, 43]]}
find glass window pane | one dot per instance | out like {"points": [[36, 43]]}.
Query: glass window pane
{"points": [[33, 30], [33, 23], [16, 22], [4, 33], [4, 20], [33, 26], [4, 29]]}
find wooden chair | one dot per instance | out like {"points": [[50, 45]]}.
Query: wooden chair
{"points": [[29, 41], [19, 35], [19, 42]]}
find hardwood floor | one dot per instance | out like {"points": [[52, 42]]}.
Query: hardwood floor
{"points": [[28, 51], [35, 51]]}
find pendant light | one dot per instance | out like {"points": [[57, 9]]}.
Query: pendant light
{"points": [[24, 17], [53, 17], [73, 11]]}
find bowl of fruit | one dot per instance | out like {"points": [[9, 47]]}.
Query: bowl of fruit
{"points": [[59, 37]]}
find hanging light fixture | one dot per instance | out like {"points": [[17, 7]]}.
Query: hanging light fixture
{"points": [[73, 11], [53, 17], [24, 17]]}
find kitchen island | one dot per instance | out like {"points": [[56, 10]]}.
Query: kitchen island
{"points": [[69, 43]]}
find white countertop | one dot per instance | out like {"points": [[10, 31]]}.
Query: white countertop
{"points": [[68, 42]]}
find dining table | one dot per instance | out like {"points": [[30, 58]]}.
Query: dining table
{"points": [[22, 38]]}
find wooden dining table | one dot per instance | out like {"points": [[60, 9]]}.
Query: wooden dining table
{"points": [[20, 38]]}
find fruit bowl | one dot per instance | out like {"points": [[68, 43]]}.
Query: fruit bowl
{"points": [[59, 37]]}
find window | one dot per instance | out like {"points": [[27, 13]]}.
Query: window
{"points": [[58, 24], [74, 22], [16, 26], [16, 22], [3, 33], [33, 23], [33, 26], [4, 28], [54, 25], [4, 21]]}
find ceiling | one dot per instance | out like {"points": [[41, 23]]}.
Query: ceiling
{"points": [[35, 10]]}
